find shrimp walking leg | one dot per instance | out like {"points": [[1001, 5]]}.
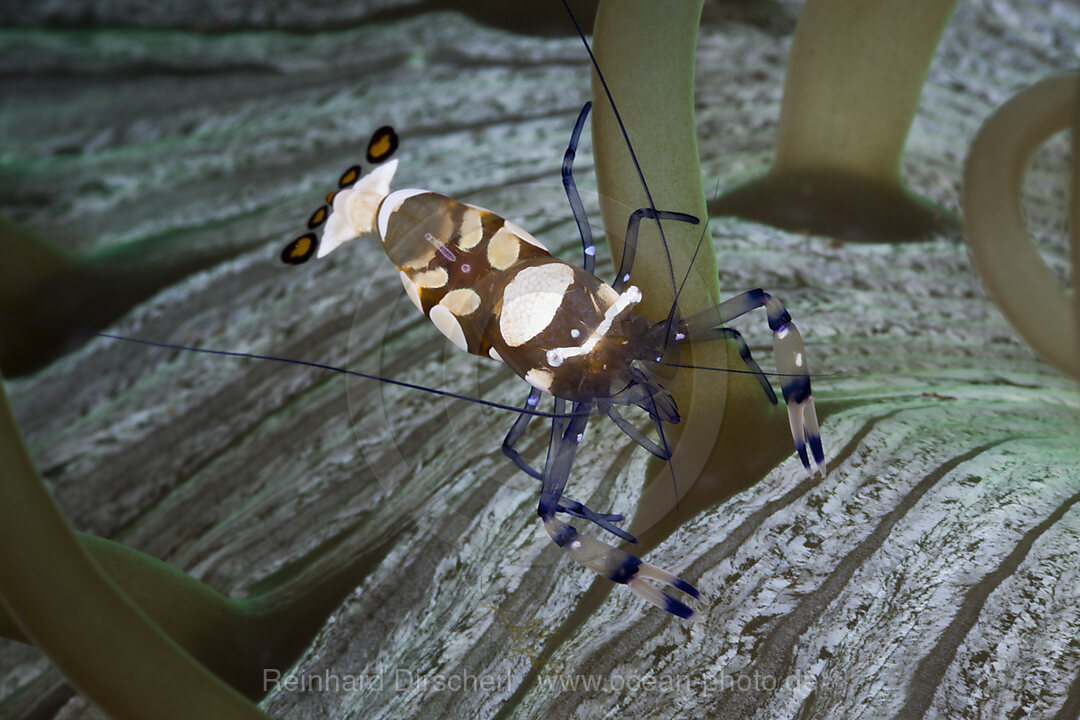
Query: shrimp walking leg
{"points": [[603, 559], [636, 435], [726, 333], [572, 192], [633, 226], [570, 507], [790, 356]]}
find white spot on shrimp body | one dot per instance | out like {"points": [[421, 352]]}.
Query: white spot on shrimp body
{"points": [[449, 326], [432, 278], [494, 354], [462, 301], [472, 230], [608, 294], [531, 300], [503, 249], [540, 378]]}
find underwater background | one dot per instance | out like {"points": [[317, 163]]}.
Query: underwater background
{"points": [[169, 151]]}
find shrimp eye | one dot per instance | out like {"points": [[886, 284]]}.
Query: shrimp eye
{"points": [[349, 177], [317, 218], [300, 250], [384, 142]]}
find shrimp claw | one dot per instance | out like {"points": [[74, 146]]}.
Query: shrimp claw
{"points": [[603, 559], [622, 567], [791, 363]]}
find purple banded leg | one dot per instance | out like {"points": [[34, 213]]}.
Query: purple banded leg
{"points": [[725, 333], [648, 396], [791, 364], [566, 435], [571, 507], [604, 520], [637, 436], [572, 192], [622, 277], [603, 559], [622, 567], [516, 431]]}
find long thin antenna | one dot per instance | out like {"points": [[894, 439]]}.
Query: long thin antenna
{"points": [[626, 137], [682, 285], [291, 361], [689, 267], [743, 372]]}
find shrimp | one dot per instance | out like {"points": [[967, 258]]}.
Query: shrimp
{"points": [[495, 291]]}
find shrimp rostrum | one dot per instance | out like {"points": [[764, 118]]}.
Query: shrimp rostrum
{"points": [[494, 291]]}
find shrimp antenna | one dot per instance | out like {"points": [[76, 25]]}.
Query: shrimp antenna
{"points": [[686, 276], [629, 146], [778, 375], [293, 361]]}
